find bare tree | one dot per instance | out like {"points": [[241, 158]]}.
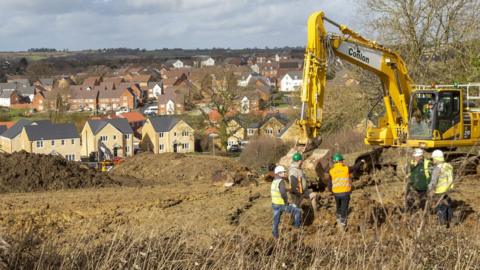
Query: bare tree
{"points": [[437, 37], [223, 95]]}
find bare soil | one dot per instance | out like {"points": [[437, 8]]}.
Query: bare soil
{"points": [[24, 172]]}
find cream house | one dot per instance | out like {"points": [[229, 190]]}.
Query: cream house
{"points": [[52, 139], [107, 137], [10, 140], [162, 134], [236, 132]]}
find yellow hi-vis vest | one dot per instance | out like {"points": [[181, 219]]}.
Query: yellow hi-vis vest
{"points": [[275, 191], [445, 180], [341, 181]]}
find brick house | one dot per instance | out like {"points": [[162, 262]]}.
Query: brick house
{"points": [[171, 103], [83, 98]]}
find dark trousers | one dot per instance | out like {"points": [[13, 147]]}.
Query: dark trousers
{"points": [[342, 202], [415, 198], [444, 209]]}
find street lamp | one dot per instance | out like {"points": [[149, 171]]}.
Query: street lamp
{"points": [[213, 136]]}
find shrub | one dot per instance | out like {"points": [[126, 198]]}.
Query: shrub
{"points": [[262, 151]]}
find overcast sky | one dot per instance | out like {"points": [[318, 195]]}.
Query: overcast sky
{"points": [[151, 24]]}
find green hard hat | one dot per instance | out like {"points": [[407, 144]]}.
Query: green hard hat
{"points": [[297, 156], [337, 157]]}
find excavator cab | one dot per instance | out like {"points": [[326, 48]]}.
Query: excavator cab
{"points": [[435, 115]]}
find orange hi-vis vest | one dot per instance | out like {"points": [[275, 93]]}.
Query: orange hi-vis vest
{"points": [[341, 181]]}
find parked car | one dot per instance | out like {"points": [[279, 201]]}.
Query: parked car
{"points": [[234, 149], [151, 110], [122, 110]]}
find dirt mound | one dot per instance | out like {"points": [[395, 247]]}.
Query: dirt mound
{"points": [[24, 172], [174, 167]]}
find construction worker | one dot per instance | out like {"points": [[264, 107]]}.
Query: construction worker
{"points": [[280, 201], [298, 183], [340, 183], [419, 177], [440, 184]]}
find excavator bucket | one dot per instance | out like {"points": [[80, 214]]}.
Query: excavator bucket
{"points": [[313, 165]]}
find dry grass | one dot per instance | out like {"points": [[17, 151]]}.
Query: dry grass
{"points": [[391, 241]]}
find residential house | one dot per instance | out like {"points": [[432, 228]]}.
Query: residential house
{"points": [[39, 103], [248, 103], [26, 92], [136, 121], [292, 81], [52, 139], [236, 132], [109, 98], [174, 63], [7, 124], [162, 134], [171, 103], [155, 89], [114, 135], [83, 98], [92, 81], [272, 126], [290, 133], [115, 81], [142, 80], [8, 94], [45, 83], [10, 139], [253, 129], [203, 61]]}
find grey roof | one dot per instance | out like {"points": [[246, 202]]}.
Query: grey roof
{"points": [[163, 123], [16, 129], [25, 90], [8, 86], [6, 93], [254, 125], [20, 81], [3, 128], [46, 81], [296, 75], [120, 124], [51, 131]]}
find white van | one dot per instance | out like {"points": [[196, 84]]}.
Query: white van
{"points": [[151, 110]]}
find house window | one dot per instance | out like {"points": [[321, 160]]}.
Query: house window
{"points": [[127, 136], [161, 147], [128, 149], [63, 142], [160, 134], [73, 141], [39, 144], [186, 146], [114, 137], [70, 157], [269, 131], [250, 131], [185, 133], [174, 134], [53, 143], [103, 138]]}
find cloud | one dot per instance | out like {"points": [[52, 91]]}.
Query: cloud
{"points": [[84, 24]]}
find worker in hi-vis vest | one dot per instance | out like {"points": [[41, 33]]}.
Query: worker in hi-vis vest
{"points": [[440, 184], [340, 184], [419, 172], [280, 203]]}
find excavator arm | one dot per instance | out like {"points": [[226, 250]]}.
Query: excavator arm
{"points": [[355, 49]]}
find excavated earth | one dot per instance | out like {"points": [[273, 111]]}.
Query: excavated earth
{"points": [[204, 195], [24, 172]]}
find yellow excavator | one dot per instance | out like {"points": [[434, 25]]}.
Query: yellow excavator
{"points": [[425, 117]]}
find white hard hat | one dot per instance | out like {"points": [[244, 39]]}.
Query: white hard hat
{"points": [[279, 169], [438, 155], [418, 152]]}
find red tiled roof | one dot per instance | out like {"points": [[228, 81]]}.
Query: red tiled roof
{"points": [[133, 116], [7, 124]]}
